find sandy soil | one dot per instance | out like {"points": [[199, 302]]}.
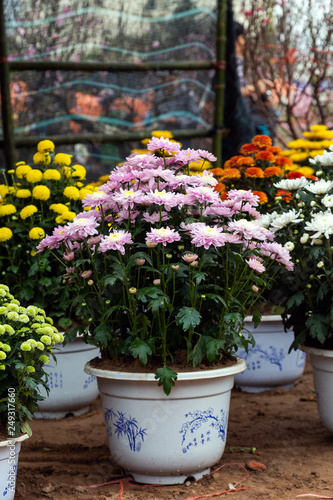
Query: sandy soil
{"points": [[65, 458]]}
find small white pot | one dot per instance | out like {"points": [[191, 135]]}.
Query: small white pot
{"points": [[71, 389], [322, 369], [161, 439], [268, 363], [9, 454]]}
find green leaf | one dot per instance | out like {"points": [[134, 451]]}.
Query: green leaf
{"points": [[317, 326], [188, 317], [295, 300], [166, 377], [45, 281], [34, 269], [25, 428], [140, 349], [213, 347], [156, 304], [199, 277], [64, 322], [110, 280], [102, 335]]}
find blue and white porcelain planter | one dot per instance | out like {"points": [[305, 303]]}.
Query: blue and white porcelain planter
{"points": [[322, 370], [9, 454], [71, 389], [268, 363], [161, 439]]}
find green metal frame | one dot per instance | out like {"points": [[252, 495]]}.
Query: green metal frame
{"points": [[9, 143]]}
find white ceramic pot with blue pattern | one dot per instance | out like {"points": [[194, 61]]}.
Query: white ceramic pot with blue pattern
{"points": [[269, 363], [9, 454], [71, 389], [161, 439], [322, 370]]}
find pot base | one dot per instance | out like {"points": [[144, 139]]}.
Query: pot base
{"points": [[60, 414], [168, 480], [254, 390]]}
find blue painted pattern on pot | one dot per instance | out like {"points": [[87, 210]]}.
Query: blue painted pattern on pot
{"points": [[201, 427], [124, 427]]}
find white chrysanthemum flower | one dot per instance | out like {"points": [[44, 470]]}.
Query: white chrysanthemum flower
{"points": [[267, 219], [319, 187], [289, 245], [321, 225], [285, 219], [304, 238], [328, 200], [325, 159], [292, 184]]}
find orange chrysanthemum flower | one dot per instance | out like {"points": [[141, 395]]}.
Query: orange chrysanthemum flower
{"points": [[248, 149], [272, 171], [246, 161], [293, 174], [275, 150], [217, 171], [254, 172], [232, 162], [286, 195], [220, 187], [265, 156], [262, 197], [283, 161], [230, 173], [262, 141]]}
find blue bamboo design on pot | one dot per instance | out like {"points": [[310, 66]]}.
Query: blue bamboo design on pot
{"points": [[127, 427]]}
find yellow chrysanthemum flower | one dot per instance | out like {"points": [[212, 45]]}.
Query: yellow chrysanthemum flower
{"points": [[28, 211], [318, 128], [41, 192], [41, 158], [84, 192], [197, 165], [11, 171], [3, 190], [324, 134], [299, 157], [58, 208], [104, 178], [78, 172], [33, 253], [66, 216], [140, 152], [72, 193], [34, 175], [36, 233], [306, 171], [79, 184], [7, 209], [5, 233], [23, 193], [62, 159], [51, 174], [45, 146], [22, 170], [316, 152]]}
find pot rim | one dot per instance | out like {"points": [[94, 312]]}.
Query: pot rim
{"points": [[240, 366], [10, 441], [265, 317], [327, 353]]}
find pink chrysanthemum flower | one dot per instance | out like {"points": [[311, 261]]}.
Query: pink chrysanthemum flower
{"points": [[190, 257], [250, 230], [126, 198], [167, 199], [256, 265], [82, 227], [188, 155], [115, 241], [202, 194], [163, 235], [95, 199], [124, 215], [54, 241], [205, 155], [203, 235], [183, 181], [206, 179], [243, 196], [155, 217], [161, 143], [276, 251]]}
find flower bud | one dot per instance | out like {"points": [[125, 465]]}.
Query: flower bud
{"points": [[168, 256], [289, 245], [255, 288], [175, 268], [140, 262], [157, 282], [151, 244], [181, 247], [317, 241], [313, 203], [107, 302], [132, 290], [90, 282], [195, 263], [304, 238], [320, 264], [85, 275], [308, 285], [190, 257]]}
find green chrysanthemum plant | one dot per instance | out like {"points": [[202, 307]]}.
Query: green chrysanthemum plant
{"points": [[34, 199], [27, 338]]}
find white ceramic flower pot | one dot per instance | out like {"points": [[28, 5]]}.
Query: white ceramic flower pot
{"points": [[71, 389], [322, 369], [161, 439], [9, 454], [268, 363]]}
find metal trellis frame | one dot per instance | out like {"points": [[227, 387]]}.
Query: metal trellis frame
{"points": [[9, 143]]}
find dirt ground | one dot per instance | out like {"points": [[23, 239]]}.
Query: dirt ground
{"points": [[65, 458]]}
